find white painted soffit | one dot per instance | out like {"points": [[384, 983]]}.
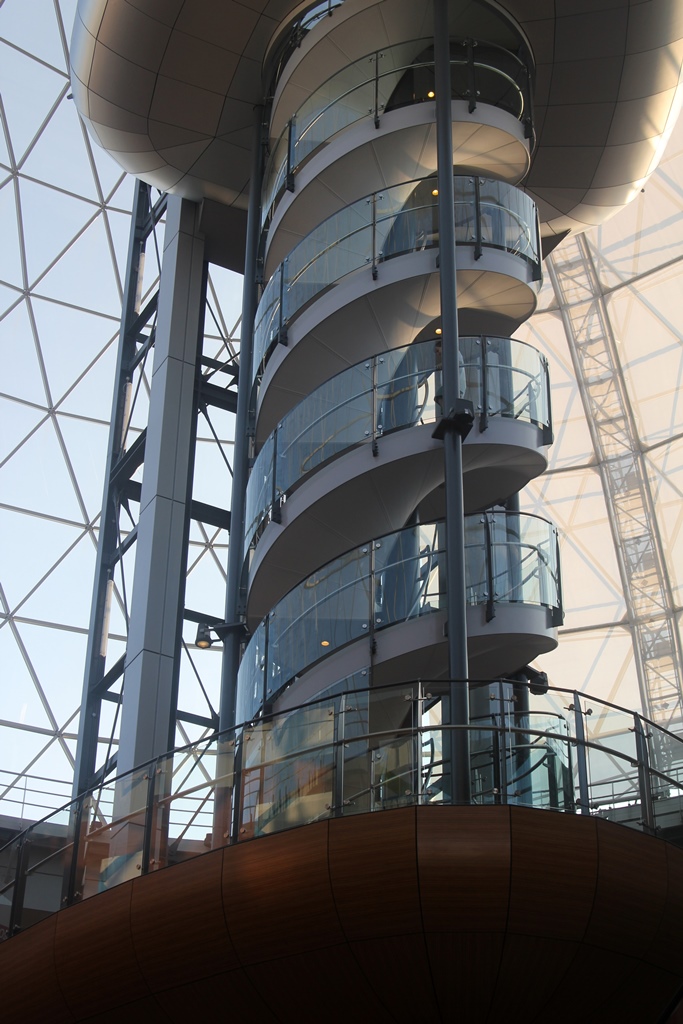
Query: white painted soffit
{"points": [[168, 88]]}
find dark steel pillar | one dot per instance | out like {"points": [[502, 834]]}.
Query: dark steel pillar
{"points": [[233, 604], [454, 425]]}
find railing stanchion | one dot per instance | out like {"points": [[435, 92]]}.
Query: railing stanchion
{"points": [[643, 754], [149, 818], [19, 892], [581, 762]]}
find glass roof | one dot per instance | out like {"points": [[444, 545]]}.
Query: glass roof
{"points": [[64, 221]]}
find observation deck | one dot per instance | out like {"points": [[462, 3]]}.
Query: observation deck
{"points": [[324, 836]]}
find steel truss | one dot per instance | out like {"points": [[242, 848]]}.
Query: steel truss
{"points": [[121, 509], [626, 484]]}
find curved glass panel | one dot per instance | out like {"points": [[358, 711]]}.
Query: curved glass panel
{"points": [[488, 215], [364, 750], [399, 389], [397, 76], [511, 556]]}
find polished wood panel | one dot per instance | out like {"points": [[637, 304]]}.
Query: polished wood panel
{"points": [[322, 985], [532, 971], [399, 970], [553, 879], [373, 871], [277, 895], [494, 898], [226, 996], [194, 941], [94, 953], [29, 985], [464, 867], [631, 890], [464, 971]]}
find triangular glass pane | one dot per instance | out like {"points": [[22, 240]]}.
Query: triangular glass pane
{"points": [[82, 277], [29, 548], [10, 250], [19, 700], [49, 781], [92, 396], [16, 422], [21, 373], [86, 444], [58, 657], [70, 340], [64, 597], [29, 90], [42, 206], [59, 157], [39, 34], [39, 480], [18, 750]]}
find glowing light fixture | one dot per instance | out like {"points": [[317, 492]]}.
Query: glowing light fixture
{"points": [[430, 94]]}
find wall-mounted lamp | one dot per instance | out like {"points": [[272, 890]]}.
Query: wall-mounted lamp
{"points": [[221, 629]]}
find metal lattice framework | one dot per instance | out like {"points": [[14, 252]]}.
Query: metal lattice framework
{"points": [[599, 374]]}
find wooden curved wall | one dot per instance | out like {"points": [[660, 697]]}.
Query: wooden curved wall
{"points": [[473, 914]]}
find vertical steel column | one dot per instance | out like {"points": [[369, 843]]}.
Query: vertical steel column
{"points": [[148, 714], [95, 663], [455, 520], [233, 603]]}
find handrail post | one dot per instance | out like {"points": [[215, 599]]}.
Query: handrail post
{"points": [[484, 415], [373, 242], [290, 154], [490, 602], [149, 818], [478, 239], [275, 506], [581, 763], [471, 78], [376, 89], [643, 754], [19, 892]]}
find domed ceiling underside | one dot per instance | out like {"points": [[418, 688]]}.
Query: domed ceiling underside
{"points": [[169, 88], [64, 210]]}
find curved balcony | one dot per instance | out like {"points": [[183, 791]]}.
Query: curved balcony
{"points": [[489, 215], [513, 593], [361, 750], [506, 380], [401, 76]]}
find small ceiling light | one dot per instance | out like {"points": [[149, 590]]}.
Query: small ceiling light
{"points": [[204, 638], [430, 94], [435, 191], [324, 643], [438, 330]]}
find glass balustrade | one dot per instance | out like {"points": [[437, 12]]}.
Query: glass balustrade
{"points": [[397, 76], [399, 389], [509, 558], [488, 215], [357, 751]]}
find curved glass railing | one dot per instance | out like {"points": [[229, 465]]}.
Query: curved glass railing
{"points": [[398, 389], [509, 558], [362, 750], [294, 34], [384, 80], [488, 215]]}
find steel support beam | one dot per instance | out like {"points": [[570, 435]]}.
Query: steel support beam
{"points": [[625, 480], [152, 669], [234, 602], [452, 427], [120, 466]]}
